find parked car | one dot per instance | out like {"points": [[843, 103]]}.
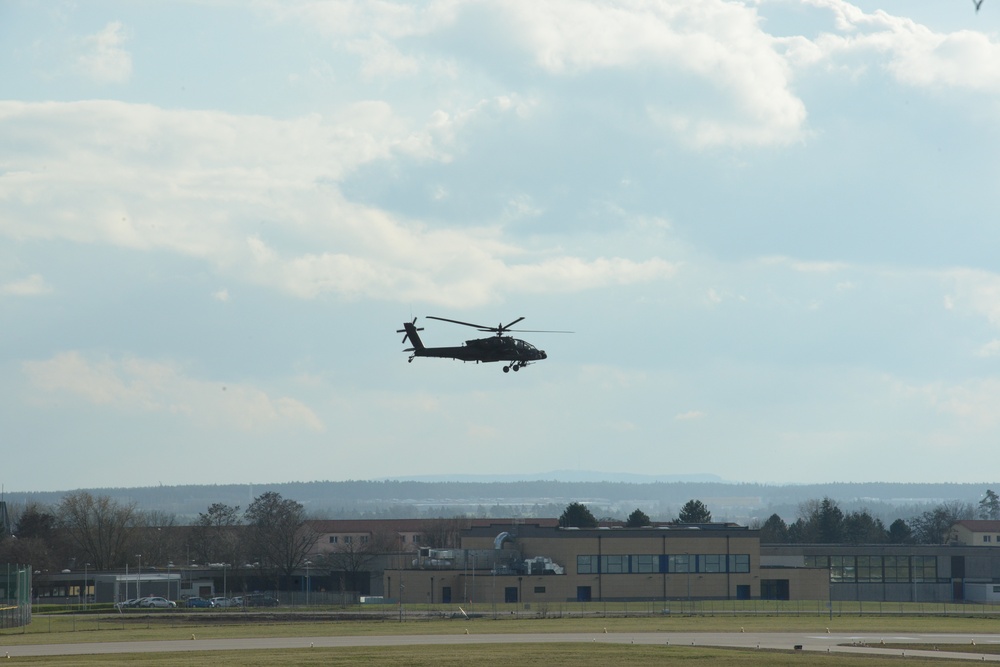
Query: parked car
{"points": [[199, 602], [157, 602], [259, 600], [124, 604], [222, 602]]}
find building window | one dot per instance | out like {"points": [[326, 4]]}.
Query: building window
{"points": [[896, 568], [986, 538], [347, 539], [645, 563], [712, 563], [843, 569], [539, 589], [614, 564], [364, 539], [925, 568], [333, 539], [870, 569], [680, 563], [817, 561], [739, 563], [586, 564]]}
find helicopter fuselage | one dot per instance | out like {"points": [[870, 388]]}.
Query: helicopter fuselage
{"points": [[487, 350]]}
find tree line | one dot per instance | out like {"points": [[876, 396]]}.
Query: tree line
{"points": [[97, 532], [578, 515], [272, 535], [822, 522]]}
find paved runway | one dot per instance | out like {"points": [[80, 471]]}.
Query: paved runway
{"points": [[840, 643]]}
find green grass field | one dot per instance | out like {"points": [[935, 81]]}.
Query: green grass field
{"points": [[547, 655], [79, 628]]}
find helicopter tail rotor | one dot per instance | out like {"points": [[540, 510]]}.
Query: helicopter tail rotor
{"points": [[409, 331]]}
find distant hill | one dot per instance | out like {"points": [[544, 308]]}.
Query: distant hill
{"points": [[563, 476], [543, 495]]}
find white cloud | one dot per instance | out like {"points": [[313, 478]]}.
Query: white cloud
{"points": [[975, 291], [102, 57], [719, 43], [690, 415], [381, 59], [915, 54], [140, 385], [33, 285], [991, 349], [972, 404], [194, 183]]}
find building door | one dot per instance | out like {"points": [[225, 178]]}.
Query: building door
{"points": [[774, 589], [742, 591], [446, 595], [583, 593], [510, 594]]}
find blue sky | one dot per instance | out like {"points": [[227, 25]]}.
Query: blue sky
{"points": [[771, 225]]}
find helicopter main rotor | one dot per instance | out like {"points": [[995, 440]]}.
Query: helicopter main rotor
{"points": [[499, 330]]}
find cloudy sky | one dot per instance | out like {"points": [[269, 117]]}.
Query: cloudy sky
{"points": [[772, 226]]}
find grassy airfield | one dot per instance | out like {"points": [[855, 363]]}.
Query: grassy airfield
{"points": [[107, 627], [547, 655]]}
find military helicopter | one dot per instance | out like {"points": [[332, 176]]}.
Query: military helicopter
{"points": [[495, 348]]}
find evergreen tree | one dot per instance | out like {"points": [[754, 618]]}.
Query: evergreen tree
{"points": [[861, 528], [694, 511], [576, 515], [774, 531], [822, 522], [637, 519], [899, 532], [989, 506]]}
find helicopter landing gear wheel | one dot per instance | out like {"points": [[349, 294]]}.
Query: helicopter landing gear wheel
{"points": [[516, 368], [506, 369]]}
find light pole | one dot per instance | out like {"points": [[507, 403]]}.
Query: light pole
{"points": [[225, 590], [308, 563], [85, 566], [138, 578], [170, 565]]}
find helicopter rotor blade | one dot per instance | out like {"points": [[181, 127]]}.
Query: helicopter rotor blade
{"points": [[507, 328], [481, 327], [539, 331]]}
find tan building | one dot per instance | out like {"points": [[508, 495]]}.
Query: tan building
{"points": [[975, 533], [531, 563]]}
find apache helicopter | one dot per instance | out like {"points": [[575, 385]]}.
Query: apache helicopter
{"points": [[495, 348]]}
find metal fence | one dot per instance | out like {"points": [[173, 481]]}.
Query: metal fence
{"points": [[15, 595]]}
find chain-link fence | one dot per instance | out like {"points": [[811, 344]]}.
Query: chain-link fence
{"points": [[15, 595]]}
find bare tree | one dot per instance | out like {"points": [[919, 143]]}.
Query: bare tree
{"points": [[215, 536], [444, 533], [279, 536], [932, 526], [349, 560], [98, 529]]}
